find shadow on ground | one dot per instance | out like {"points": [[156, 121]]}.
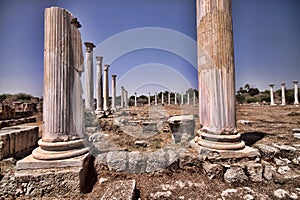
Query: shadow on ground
{"points": [[251, 138]]}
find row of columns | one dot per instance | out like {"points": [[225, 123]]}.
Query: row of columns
{"points": [[102, 85], [162, 99], [283, 102]]}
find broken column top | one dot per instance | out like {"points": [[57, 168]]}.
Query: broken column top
{"points": [[106, 67], [89, 46], [283, 84], [296, 82], [271, 84], [113, 76], [75, 22]]}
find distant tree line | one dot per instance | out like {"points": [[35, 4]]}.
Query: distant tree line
{"points": [[22, 97]]}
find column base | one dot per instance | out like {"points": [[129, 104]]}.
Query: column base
{"points": [[60, 150]]}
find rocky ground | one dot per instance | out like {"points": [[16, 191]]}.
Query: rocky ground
{"points": [[274, 175]]}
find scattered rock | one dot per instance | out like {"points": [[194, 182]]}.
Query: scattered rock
{"points": [[268, 171], [102, 180], [136, 162], [255, 171], [156, 161], [212, 170], [280, 162], [228, 192], [235, 175], [141, 143], [117, 160], [286, 151], [283, 169], [280, 193], [267, 151], [161, 195], [244, 122], [124, 189]]}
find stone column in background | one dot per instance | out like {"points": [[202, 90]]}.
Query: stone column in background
{"points": [[126, 98], [182, 98], [188, 99], [99, 83], [122, 97], [272, 95], [155, 98], [149, 99], [89, 77], [135, 101], [283, 94], [175, 99], [169, 98], [162, 98], [63, 130], [113, 92], [105, 88], [216, 77], [296, 92]]}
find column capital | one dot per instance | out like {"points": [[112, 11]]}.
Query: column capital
{"points": [[295, 82], [283, 84], [271, 85], [89, 46], [106, 66], [75, 22], [113, 76], [99, 59]]}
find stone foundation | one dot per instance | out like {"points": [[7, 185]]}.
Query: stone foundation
{"points": [[18, 141]]}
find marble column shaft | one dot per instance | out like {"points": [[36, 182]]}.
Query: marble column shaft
{"points": [[181, 98], [155, 98], [149, 99], [89, 77], [99, 83], [283, 94], [122, 96], [194, 98], [188, 99], [296, 102], [272, 95], [175, 98], [105, 88], [135, 100], [169, 98], [113, 91]]}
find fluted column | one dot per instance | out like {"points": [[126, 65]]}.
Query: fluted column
{"points": [[126, 98], [216, 76], [89, 77], [63, 110], [99, 83], [188, 99], [155, 98], [283, 94], [135, 101], [296, 92], [149, 99], [272, 95], [162, 98], [169, 98], [175, 99], [113, 91], [105, 88], [194, 98]]}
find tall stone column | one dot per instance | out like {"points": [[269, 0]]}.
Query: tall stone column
{"points": [[162, 98], [149, 99], [126, 98], [63, 130], [155, 98], [99, 83], [216, 77], [122, 96], [188, 99], [89, 77], [182, 98], [283, 94], [169, 98], [105, 88], [272, 95], [175, 99], [296, 93], [113, 92], [194, 98], [135, 101]]}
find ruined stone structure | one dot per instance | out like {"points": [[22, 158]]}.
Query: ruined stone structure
{"points": [[105, 88], [149, 99], [89, 77], [113, 92], [155, 98], [169, 98], [99, 84], [122, 96], [216, 77]]}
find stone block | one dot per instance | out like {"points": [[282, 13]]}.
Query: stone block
{"points": [[124, 189]]}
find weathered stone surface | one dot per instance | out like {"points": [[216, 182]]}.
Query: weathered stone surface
{"points": [[141, 143], [117, 160], [161, 195], [235, 175], [286, 151], [268, 171], [281, 194], [124, 189], [255, 171], [156, 161], [267, 151], [18, 140], [212, 170], [136, 162]]}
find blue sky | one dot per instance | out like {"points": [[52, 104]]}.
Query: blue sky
{"points": [[266, 39]]}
